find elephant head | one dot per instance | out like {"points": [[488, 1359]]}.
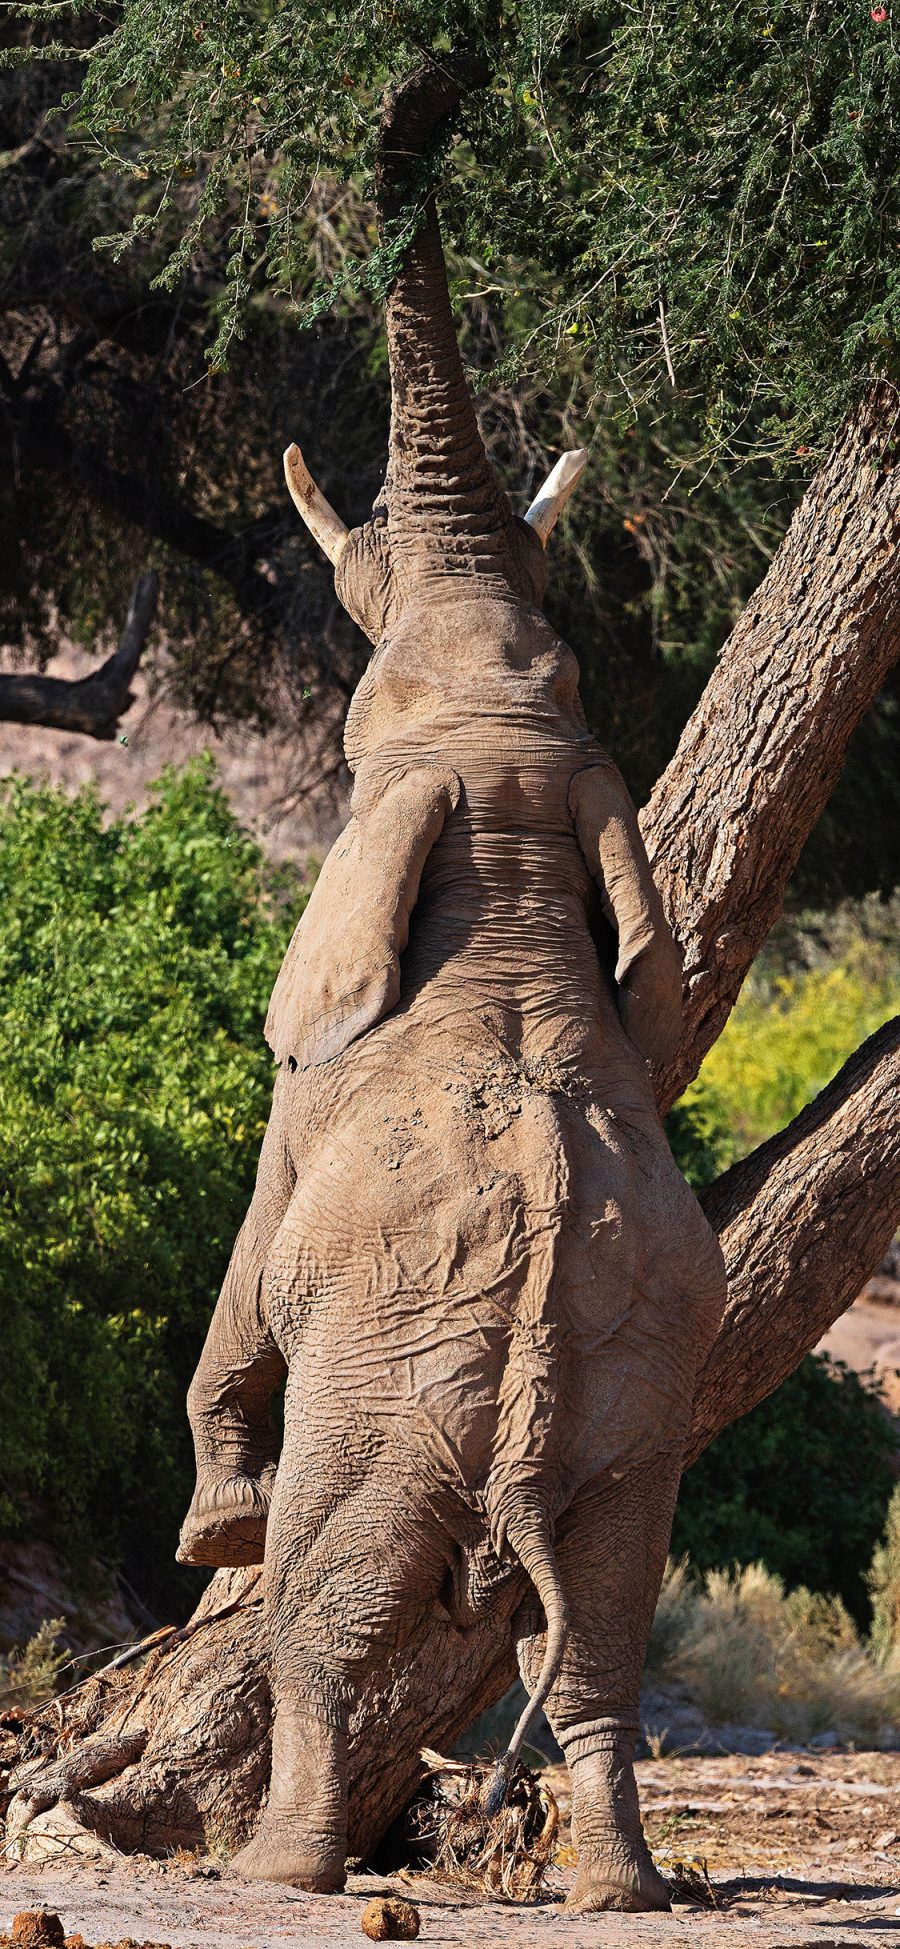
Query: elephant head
{"points": [[447, 582]]}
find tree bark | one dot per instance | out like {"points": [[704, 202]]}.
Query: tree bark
{"points": [[803, 1221], [764, 749], [94, 704]]}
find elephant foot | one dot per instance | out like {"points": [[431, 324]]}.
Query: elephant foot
{"points": [[618, 1882], [615, 1867], [302, 1837], [225, 1526], [280, 1852]]}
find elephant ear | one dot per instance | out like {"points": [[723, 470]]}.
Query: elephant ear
{"points": [[648, 969], [341, 972]]}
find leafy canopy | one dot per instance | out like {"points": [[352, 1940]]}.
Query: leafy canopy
{"points": [[707, 196]]}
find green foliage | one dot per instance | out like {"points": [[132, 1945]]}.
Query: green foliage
{"points": [[820, 986], [135, 963], [801, 1484], [672, 526], [710, 196]]}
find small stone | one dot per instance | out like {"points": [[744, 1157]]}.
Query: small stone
{"points": [[889, 1838], [37, 1928], [388, 1919]]}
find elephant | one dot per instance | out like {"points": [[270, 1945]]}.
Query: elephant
{"points": [[469, 1250]]}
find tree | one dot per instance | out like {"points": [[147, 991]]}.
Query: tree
{"points": [[724, 827], [119, 437]]}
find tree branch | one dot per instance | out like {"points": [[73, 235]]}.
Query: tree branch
{"points": [[803, 1222], [761, 754], [91, 704]]}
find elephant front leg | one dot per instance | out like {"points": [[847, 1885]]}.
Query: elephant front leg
{"points": [[238, 1372], [229, 1409], [611, 1552]]}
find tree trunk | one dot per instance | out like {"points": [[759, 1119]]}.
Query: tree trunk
{"points": [[803, 1221], [763, 751]]}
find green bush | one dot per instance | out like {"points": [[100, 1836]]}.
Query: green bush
{"points": [[802, 1484], [821, 985], [136, 959]]}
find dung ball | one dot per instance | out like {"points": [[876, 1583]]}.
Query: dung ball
{"points": [[389, 1919]]}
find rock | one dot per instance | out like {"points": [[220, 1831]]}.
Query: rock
{"points": [[37, 1928], [388, 1919]]}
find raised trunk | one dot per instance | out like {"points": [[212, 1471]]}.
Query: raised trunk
{"points": [[445, 506], [802, 1222]]}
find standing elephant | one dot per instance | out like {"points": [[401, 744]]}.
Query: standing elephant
{"points": [[469, 1246]]}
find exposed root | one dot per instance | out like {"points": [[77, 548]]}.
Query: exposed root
{"points": [[505, 1857], [94, 1762]]}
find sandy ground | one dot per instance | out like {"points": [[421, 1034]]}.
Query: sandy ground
{"points": [[801, 1851], [868, 1339]]}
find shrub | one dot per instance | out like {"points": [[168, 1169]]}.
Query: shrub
{"points": [[801, 1484], [821, 985], [136, 959], [30, 1676], [884, 1584], [750, 1652]]}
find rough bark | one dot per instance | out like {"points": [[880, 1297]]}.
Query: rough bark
{"points": [[93, 704], [762, 752]]}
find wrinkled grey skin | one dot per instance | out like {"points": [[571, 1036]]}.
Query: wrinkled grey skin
{"points": [[469, 1246]]}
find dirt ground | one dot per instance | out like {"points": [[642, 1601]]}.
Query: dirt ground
{"points": [[867, 1338], [800, 1851]]}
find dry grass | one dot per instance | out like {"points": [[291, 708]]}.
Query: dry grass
{"points": [[29, 1677], [752, 1653]]}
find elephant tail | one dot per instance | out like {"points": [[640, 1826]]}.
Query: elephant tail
{"points": [[528, 1530]]}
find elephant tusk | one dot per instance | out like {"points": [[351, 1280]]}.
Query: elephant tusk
{"points": [[548, 505], [324, 525]]}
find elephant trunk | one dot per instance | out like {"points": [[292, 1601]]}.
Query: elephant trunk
{"points": [[528, 1531], [445, 506]]}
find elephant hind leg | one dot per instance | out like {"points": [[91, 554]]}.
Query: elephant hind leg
{"points": [[357, 1548], [611, 1551]]}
